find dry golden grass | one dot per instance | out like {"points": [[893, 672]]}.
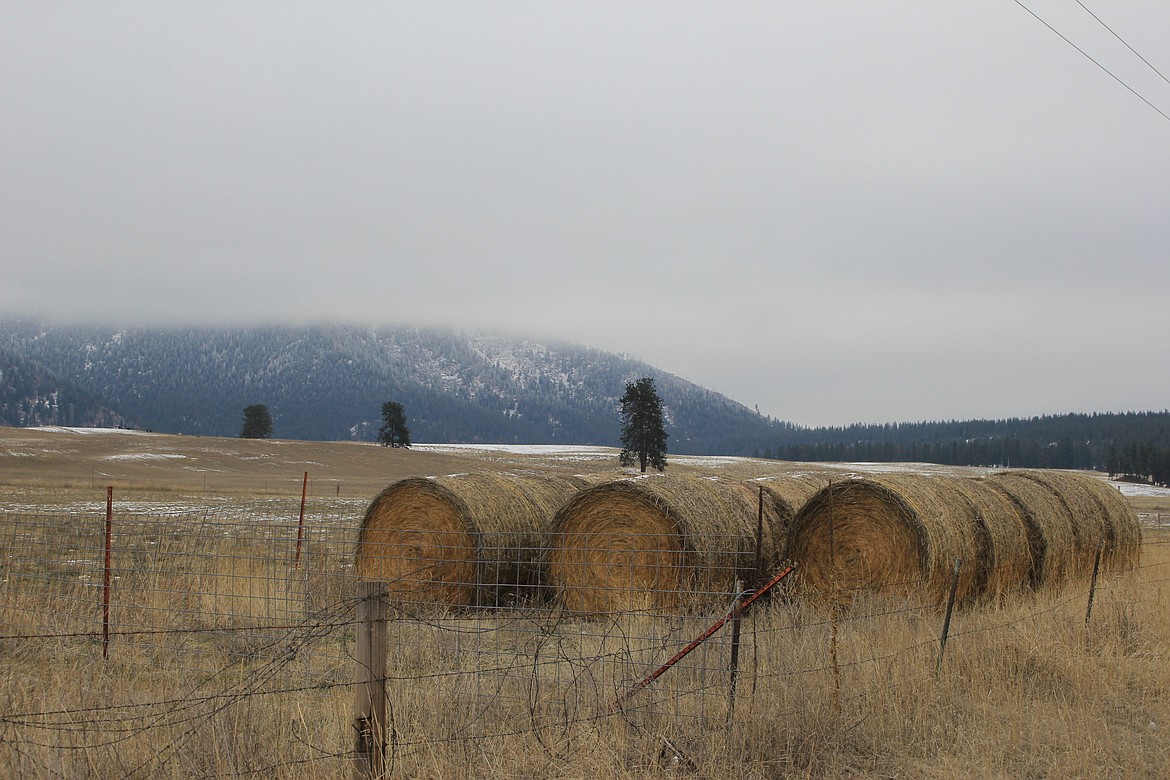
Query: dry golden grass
{"points": [[255, 681]]}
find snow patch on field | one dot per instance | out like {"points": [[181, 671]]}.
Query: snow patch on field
{"points": [[1136, 489], [707, 461], [572, 452], [556, 451], [902, 468], [147, 456], [88, 431]]}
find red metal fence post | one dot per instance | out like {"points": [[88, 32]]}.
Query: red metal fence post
{"points": [[106, 578], [301, 522]]}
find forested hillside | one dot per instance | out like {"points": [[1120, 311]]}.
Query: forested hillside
{"points": [[1135, 444], [30, 394], [329, 382]]}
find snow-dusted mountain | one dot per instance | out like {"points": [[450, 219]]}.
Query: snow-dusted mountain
{"points": [[31, 395], [329, 382]]}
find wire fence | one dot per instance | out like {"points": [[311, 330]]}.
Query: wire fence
{"points": [[220, 642]]}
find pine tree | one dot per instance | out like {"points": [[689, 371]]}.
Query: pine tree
{"points": [[257, 423], [393, 432], [643, 431]]}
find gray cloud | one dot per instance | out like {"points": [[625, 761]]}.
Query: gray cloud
{"points": [[836, 211]]}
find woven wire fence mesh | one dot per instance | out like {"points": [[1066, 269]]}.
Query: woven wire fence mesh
{"points": [[220, 640]]}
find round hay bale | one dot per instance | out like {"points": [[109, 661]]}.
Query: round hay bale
{"points": [[893, 533], [468, 539], [1005, 554], [1125, 549], [784, 497], [653, 543], [1101, 519], [1051, 528]]}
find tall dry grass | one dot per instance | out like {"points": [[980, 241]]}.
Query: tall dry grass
{"points": [[242, 668]]}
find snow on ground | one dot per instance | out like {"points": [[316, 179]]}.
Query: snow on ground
{"points": [[1136, 489], [575, 452], [585, 452], [87, 431], [901, 468], [555, 451], [208, 509], [148, 456], [707, 461]]}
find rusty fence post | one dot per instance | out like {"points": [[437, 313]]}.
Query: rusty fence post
{"points": [[106, 575], [301, 521]]}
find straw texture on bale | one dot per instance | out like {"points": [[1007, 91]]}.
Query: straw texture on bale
{"points": [[1076, 516], [1005, 554], [655, 542], [784, 497], [1050, 528], [1125, 550], [894, 534], [469, 539]]}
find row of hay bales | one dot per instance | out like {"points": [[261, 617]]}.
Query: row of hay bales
{"points": [[599, 544], [1011, 531]]}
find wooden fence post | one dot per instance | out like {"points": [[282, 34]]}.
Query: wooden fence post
{"points": [[758, 577], [369, 677], [736, 620], [835, 607]]}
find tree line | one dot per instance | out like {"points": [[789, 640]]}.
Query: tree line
{"points": [[643, 427], [1132, 445]]}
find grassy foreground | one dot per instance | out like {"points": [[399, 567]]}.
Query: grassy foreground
{"points": [[243, 663]]}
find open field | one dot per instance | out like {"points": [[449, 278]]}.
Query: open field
{"points": [[230, 656]]}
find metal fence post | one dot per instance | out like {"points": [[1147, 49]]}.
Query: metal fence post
{"points": [[301, 521], [1093, 586], [106, 576], [946, 630]]}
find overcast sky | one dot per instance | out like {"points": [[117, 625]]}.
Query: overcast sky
{"points": [[837, 211]]}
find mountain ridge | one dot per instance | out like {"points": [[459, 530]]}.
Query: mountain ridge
{"points": [[327, 382]]}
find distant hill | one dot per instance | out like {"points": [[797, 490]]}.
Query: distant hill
{"points": [[329, 383], [32, 395]]}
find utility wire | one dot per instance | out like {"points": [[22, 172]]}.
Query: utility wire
{"points": [[1118, 37], [1090, 59]]}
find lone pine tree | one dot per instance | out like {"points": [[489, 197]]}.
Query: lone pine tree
{"points": [[257, 423], [643, 431], [393, 432]]}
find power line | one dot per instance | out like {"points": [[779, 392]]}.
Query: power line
{"points": [[1118, 37], [1090, 59]]}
